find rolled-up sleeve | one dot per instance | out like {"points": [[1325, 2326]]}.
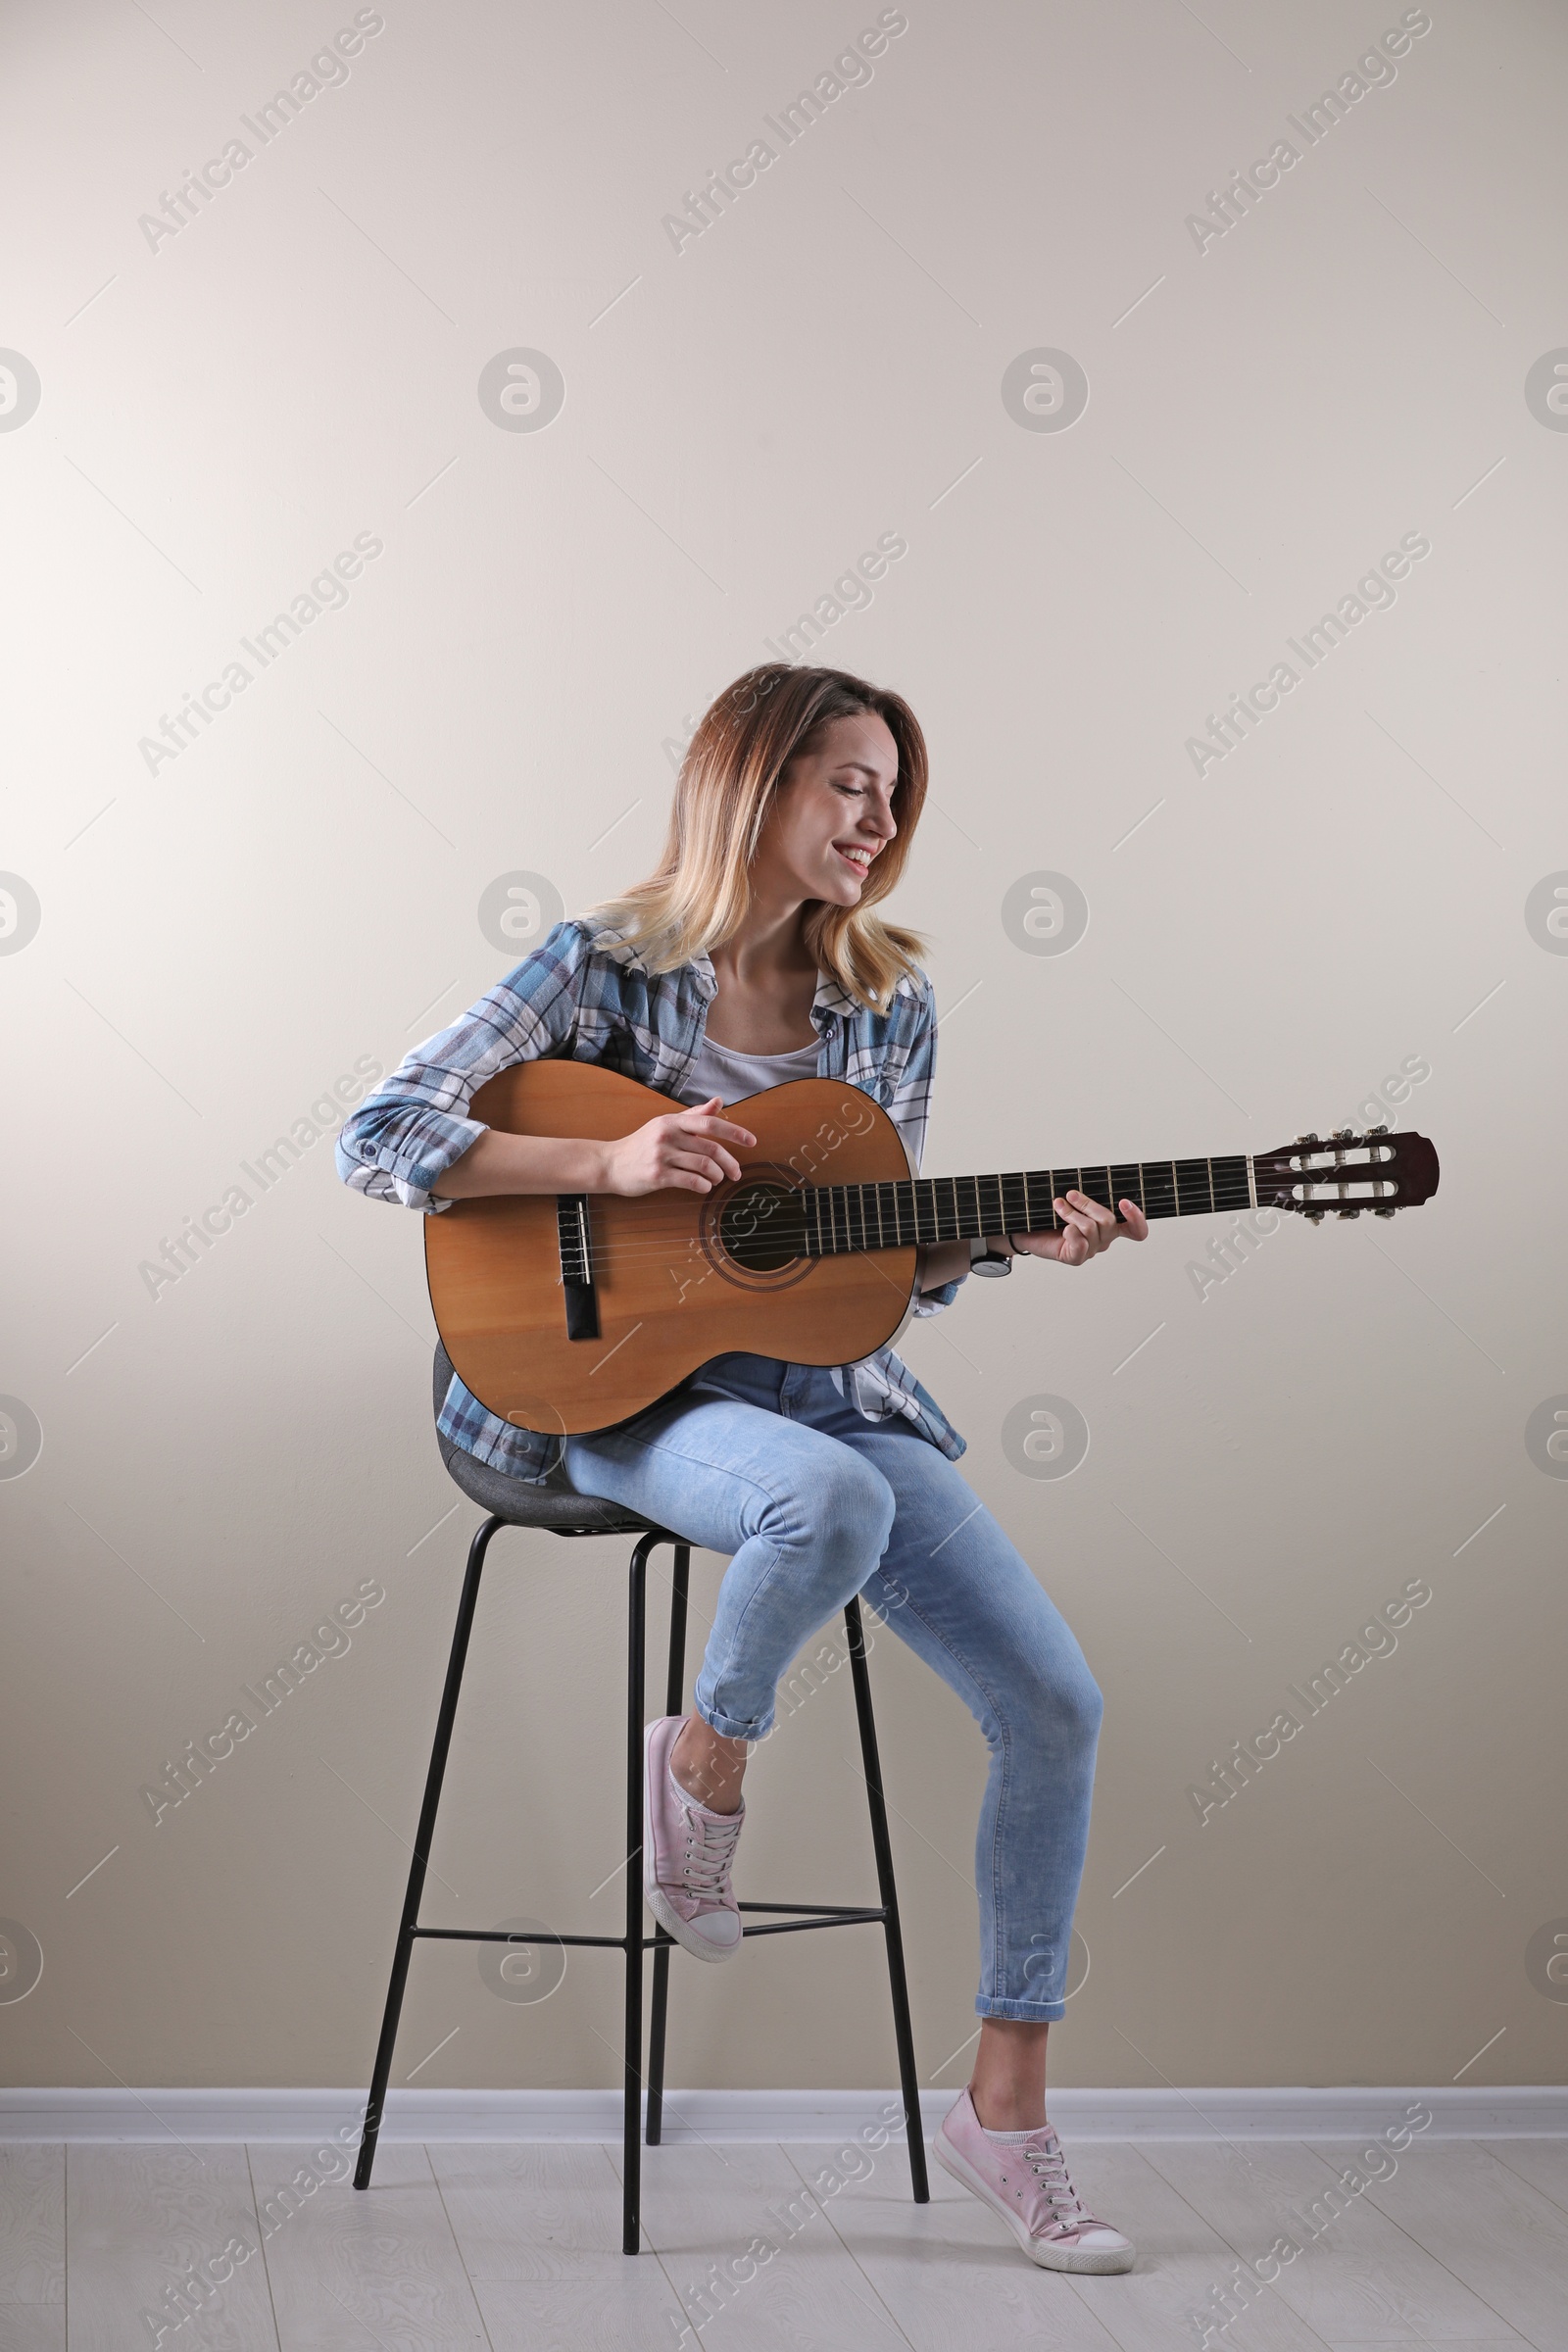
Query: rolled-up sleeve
{"points": [[911, 1109], [401, 1140]]}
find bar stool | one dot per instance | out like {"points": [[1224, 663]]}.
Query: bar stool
{"points": [[516, 1503]]}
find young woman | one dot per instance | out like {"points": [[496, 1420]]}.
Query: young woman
{"points": [[751, 956]]}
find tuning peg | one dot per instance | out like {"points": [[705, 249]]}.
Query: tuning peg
{"points": [[1346, 1213], [1340, 1133], [1314, 1216], [1383, 1130], [1383, 1212], [1311, 1138]]}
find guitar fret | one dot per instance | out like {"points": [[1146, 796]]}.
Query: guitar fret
{"points": [[1123, 1181], [1160, 1188], [1192, 1186], [1231, 1187]]}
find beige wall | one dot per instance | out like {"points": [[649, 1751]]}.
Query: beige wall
{"points": [[224, 933]]}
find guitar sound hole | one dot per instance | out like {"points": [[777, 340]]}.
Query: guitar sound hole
{"points": [[762, 1227]]}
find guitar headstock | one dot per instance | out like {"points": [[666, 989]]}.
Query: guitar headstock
{"points": [[1346, 1172]]}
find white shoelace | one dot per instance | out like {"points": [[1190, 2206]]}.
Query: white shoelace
{"points": [[1050, 2168], [710, 1850]]}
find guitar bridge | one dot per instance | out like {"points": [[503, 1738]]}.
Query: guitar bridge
{"points": [[576, 1237]]}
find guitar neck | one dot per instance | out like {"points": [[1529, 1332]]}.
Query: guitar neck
{"points": [[924, 1209]]}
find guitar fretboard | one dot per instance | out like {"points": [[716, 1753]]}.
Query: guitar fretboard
{"points": [[954, 1209]]}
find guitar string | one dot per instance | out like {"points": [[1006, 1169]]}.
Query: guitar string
{"points": [[681, 1229], [606, 1261], [605, 1255], [651, 1234], [657, 1240]]}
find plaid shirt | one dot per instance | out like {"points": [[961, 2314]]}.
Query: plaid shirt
{"points": [[583, 991]]}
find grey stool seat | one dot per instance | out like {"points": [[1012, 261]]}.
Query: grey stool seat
{"points": [[553, 1503]]}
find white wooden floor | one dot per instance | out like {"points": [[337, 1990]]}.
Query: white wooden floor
{"points": [[514, 2248]]}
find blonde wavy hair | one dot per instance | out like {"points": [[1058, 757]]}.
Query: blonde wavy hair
{"points": [[735, 766]]}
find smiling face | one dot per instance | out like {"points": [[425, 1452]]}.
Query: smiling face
{"points": [[833, 814]]}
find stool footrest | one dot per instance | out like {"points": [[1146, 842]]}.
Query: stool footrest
{"points": [[836, 1918], [797, 1918], [824, 1910]]}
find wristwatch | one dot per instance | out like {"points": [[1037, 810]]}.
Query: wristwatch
{"points": [[983, 1259]]}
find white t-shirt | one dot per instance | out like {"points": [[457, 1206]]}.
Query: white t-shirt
{"points": [[720, 1070]]}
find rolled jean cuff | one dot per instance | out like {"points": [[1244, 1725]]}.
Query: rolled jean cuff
{"points": [[730, 1727], [1032, 2013]]}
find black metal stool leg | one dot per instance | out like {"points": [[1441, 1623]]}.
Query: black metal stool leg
{"points": [[423, 1839], [636, 1668], [888, 1895], [674, 1705]]}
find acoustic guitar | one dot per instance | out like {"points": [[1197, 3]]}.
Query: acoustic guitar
{"points": [[569, 1312]]}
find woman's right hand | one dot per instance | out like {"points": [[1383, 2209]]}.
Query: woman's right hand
{"points": [[684, 1151]]}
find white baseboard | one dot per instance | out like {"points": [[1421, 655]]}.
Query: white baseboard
{"points": [[1511, 2111]]}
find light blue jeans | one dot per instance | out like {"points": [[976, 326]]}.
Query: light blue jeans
{"points": [[766, 1462]]}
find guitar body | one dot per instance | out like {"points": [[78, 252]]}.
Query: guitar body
{"points": [[668, 1291]]}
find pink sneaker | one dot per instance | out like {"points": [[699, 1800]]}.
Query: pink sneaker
{"points": [[687, 1852], [1025, 2181]]}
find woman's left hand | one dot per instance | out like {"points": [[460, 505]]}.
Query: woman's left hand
{"points": [[1088, 1227]]}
